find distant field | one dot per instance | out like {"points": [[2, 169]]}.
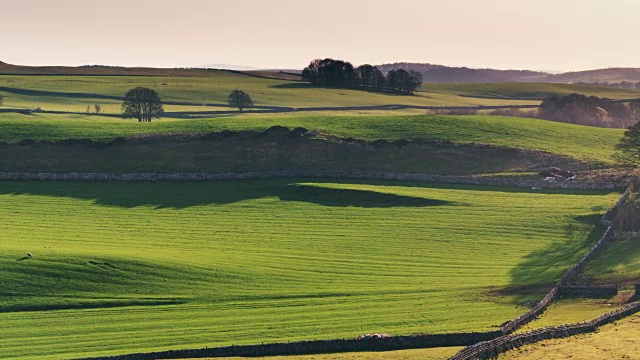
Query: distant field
{"points": [[526, 91], [211, 89], [129, 267], [615, 341], [579, 142]]}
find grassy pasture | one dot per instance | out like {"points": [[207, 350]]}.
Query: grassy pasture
{"points": [[570, 310], [618, 263], [128, 267], [214, 89], [526, 91], [579, 142], [614, 341]]}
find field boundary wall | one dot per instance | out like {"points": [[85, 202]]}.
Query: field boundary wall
{"points": [[318, 347], [491, 349], [367, 175]]}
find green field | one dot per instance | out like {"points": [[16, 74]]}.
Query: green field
{"points": [[57, 92], [618, 263], [579, 142], [571, 310], [128, 267], [526, 91], [212, 89]]}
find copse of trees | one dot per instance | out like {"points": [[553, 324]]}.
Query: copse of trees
{"points": [[342, 74], [586, 110], [628, 150]]}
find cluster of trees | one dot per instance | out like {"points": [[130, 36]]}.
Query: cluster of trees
{"points": [[342, 74], [589, 110]]}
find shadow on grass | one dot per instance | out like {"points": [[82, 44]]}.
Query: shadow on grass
{"points": [[186, 194], [546, 266], [106, 304], [303, 85]]}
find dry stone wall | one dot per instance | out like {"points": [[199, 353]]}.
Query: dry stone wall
{"points": [[464, 180], [491, 349]]}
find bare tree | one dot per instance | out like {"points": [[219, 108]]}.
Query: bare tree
{"points": [[98, 108]]}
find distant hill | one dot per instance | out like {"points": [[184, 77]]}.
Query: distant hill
{"points": [[432, 73], [445, 74], [227, 67], [611, 75], [106, 70]]}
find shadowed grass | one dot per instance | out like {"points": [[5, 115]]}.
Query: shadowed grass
{"points": [[579, 142]]}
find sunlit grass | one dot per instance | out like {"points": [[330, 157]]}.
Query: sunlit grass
{"points": [[580, 142], [129, 267]]}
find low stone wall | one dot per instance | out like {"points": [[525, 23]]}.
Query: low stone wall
{"points": [[491, 349], [572, 272], [464, 180], [319, 347], [602, 291], [532, 314]]}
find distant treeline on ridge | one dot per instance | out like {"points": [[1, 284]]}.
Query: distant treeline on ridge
{"points": [[342, 74]]}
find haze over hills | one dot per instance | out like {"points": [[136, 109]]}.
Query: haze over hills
{"points": [[227, 67], [444, 74]]}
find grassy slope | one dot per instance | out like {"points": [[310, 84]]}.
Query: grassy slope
{"points": [[619, 262], [580, 142], [570, 310], [615, 341], [526, 91], [254, 261], [214, 89]]}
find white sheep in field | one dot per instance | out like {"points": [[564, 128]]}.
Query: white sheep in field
{"points": [[29, 254]]}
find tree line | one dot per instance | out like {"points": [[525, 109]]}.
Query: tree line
{"points": [[342, 74]]}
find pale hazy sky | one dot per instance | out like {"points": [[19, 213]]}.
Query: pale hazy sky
{"points": [[533, 34]]}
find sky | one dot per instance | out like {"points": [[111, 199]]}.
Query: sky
{"points": [[560, 35]]}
